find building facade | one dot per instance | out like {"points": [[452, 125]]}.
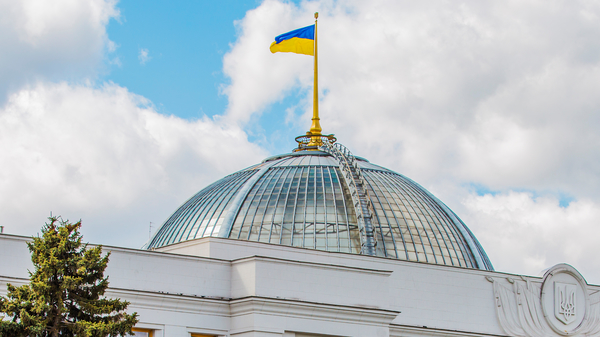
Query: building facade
{"points": [[323, 243]]}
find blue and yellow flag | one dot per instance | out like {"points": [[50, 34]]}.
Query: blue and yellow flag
{"points": [[299, 41]]}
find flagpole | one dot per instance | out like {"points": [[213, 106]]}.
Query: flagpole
{"points": [[315, 128]]}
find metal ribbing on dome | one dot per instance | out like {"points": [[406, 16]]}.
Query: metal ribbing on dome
{"points": [[426, 231], [301, 200], [302, 206], [201, 215]]}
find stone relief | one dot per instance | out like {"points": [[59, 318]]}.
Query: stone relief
{"points": [[565, 299], [560, 306]]}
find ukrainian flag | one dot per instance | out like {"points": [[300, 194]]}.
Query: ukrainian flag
{"points": [[299, 41]]}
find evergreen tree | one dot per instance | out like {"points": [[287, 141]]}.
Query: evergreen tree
{"points": [[65, 296]]}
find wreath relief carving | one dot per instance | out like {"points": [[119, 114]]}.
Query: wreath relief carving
{"points": [[560, 306]]}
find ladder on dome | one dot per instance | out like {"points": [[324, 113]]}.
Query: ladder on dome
{"points": [[353, 177]]}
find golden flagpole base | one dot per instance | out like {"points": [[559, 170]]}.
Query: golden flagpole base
{"points": [[311, 141]]}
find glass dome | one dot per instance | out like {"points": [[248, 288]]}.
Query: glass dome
{"points": [[304, 200]]}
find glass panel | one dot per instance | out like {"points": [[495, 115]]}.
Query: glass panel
{"points": [[181, 223], [310, 206]]}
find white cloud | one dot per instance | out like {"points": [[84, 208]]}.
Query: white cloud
{"points": [[106, 156], [536, 233], [497, 95], [88, 150], [52, 40], [143, 56], [257, 77]]}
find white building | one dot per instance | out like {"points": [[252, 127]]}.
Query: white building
{"points": [[322, 243]]}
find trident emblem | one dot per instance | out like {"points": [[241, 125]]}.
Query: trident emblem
{"points": [[565, 302]]}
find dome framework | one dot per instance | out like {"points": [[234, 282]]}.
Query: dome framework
{"points": [[328, 200]]}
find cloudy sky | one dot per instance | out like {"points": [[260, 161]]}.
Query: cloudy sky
{"points": [[116, 113]]}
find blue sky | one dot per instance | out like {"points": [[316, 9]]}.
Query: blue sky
{"points": [[186, 43], [183, 74]]}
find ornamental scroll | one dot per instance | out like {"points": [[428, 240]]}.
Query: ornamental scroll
{"points": [[560, 306]]}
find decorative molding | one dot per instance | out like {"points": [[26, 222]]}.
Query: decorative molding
{"points": [[400, 330], [560, 306], [311, 311], [172, 302], [288, 262]]}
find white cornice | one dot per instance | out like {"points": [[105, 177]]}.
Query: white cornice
{"points": [[311, 264], [172, 302], [310, 310], [398, 330]]}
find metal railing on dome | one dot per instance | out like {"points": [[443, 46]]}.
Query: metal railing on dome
{"points": [[355, 181], [312, 142]]}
